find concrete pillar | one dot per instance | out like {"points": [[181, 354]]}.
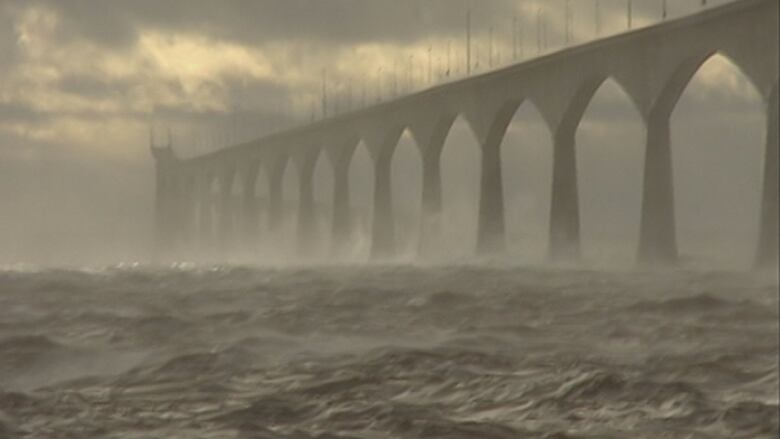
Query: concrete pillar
{"points": [[162, 210], [188, 215], [305, 234], [430, 222], [226, 214], [657, 235], [275, 200], [382, 230], [341, 227], [766, 256], [564, 242], [250, 212], [490, 227], [206, 213]]}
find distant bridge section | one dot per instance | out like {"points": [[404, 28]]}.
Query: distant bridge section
{"points": [[653, 65]]}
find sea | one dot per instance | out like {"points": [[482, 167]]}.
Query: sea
{"points": [[472, 351]]}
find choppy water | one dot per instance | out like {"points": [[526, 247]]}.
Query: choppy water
{"points": [[402, 352]]}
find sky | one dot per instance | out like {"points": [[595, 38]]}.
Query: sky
{"points": [[82, 82]]}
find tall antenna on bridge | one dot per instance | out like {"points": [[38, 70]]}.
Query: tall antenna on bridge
{"points": [[629, 14], [663, 9], [468, 42]]}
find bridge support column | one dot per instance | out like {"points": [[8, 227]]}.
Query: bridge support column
{"points": [[431, 211], [657, 235], [188, 215], [306, 220], [490, 227], [206, 215], [226, 213], [341, 224], [161, 211], [250, 211], [564, 242], [767, 256], [382, 230], [275, 200]]}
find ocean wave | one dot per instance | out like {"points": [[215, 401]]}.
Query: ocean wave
{"points": [[386, 351]]}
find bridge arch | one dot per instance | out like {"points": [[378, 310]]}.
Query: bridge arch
{"points": [[324, 187], [717, 148], [609, 158], [460, 175], [406, 181], [526, 163], [285, 236], [678, 82], [361, 201], [262, 193]]}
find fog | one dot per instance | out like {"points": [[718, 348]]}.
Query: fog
{"points": [[81, 83]]}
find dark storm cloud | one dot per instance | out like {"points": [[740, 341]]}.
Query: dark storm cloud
{"points": [[253, 22]]}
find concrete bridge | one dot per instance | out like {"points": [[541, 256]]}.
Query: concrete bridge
{"points": [[653, 65]]}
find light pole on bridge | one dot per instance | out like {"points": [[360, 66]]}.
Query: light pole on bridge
{"points": [[468, 42]]}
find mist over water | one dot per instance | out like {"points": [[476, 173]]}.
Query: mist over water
{"points": [[387, 352], [104, 334]]}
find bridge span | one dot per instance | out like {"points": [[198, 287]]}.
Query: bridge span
{"points": [[653, 65]]}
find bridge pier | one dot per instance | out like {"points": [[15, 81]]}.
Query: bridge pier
{"points": [[206, 214], [250, 211], [382, 229], [490, 227], [189, 215], [225, 206], [430, 223], [767, 256], [306, 220], [657, 235], [275, 200], [167, 200], [564, 238], [341, 227]]}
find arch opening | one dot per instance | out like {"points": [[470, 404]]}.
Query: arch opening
{"points": [[526, 162], [406, 183], [460, 174], [361, 197], [290, 196], [323, 204], [262, 195], [717, 136], [610, 157]]}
